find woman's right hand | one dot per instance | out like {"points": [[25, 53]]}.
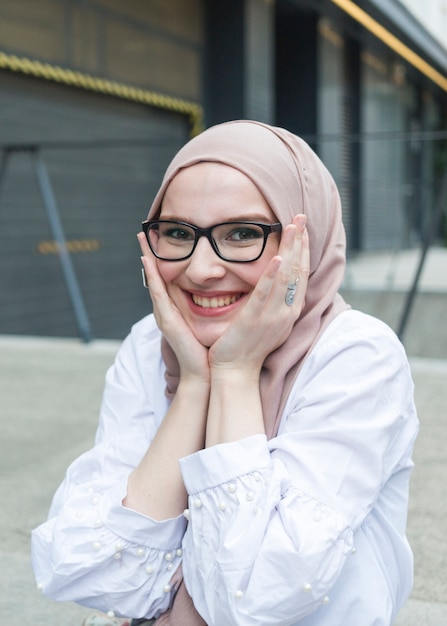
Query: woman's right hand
{"points": [[191, 355]]}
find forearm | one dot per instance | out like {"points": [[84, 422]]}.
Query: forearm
{"points": [[235, 409], [155, 487]]}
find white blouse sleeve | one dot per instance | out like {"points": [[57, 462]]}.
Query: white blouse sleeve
{"points": [[272, 523], [92, 549]]}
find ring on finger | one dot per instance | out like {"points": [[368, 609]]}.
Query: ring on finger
{"points": [[291, 291]]}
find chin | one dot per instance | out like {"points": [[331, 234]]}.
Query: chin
{"points": [[207, 337], [206, 340]]}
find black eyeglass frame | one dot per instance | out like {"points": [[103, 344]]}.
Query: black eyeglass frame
{"points": [[267, 229]]}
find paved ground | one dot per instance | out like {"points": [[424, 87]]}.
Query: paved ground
{"points": [[50, 392], [396, 270]]}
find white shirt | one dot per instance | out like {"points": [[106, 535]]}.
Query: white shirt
{"points": [[307, 528]]}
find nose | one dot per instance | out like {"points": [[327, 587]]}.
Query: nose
{"points": [[204, 264]]}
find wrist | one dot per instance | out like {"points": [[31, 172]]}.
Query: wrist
{"points": [[235, 375], [195, 386], [235, 410]]}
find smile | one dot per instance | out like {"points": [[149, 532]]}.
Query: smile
{"points": [[215, 302]]}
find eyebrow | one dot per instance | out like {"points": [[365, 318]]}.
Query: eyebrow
{"points": [[253, 217]]}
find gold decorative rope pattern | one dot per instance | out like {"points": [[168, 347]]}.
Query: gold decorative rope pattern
{"points": [[81, 80]]}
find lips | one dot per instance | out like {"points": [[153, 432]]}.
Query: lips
{"points": [[215, 302]]}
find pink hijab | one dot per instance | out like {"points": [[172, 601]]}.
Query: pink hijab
{"points": [[293, 180]]}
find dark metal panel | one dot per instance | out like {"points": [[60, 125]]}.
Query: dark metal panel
{"points": [[296, 70], [110, 163], [224, 68]]}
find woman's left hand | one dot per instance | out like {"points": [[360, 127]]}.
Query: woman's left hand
{"points": [[266, 320]]}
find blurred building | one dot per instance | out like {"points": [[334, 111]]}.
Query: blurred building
{"points": [[97, 95]]}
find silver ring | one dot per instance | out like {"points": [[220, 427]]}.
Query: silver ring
{"points": [[291, 291], [143, 276]]}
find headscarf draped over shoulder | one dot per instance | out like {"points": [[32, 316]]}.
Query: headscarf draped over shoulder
{"points": [[293, 180]]}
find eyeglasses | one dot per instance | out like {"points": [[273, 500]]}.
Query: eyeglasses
{"points": [[238, 242]]}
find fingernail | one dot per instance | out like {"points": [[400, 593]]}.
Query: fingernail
{"points": [[301, 220], [277, 261]]}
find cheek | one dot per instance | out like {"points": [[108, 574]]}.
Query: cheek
{"points": [[252, 272], [169, 271]]}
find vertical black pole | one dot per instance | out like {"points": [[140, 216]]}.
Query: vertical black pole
{"points": [[6, 152], [428, 239]]}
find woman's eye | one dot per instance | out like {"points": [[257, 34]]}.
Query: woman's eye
{"points": [[179, 234], [243, 234]]}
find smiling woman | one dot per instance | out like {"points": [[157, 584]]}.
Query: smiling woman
{"points": [[203, 193], [253, 455]]}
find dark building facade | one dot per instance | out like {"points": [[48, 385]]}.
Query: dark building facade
{"points": [[97, 95]]}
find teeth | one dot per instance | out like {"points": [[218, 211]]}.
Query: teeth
{"points": [[214, 303]]}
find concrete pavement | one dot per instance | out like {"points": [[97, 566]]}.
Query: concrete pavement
{"points": [[378, 283], [50, 392]]}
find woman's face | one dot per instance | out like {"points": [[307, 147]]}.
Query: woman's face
{"points": [[208, 291]]}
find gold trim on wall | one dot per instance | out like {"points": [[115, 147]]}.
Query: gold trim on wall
{"points": [[392, 42], [23, 65], [72, 245]]}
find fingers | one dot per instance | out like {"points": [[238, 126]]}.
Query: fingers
{"points": [[162, 305], [267, 281], [299, 263], [294, 250], [146, 259], [284, 280], [146, 253], [145, 250], [152, 275], [291, 246]]}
